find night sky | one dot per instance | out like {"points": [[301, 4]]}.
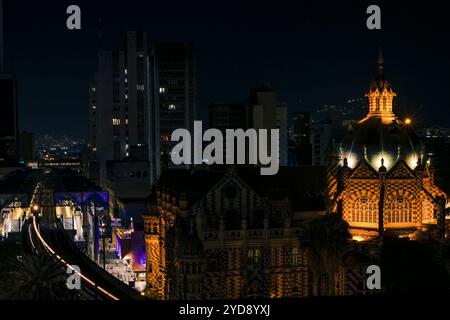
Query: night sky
{"points": [[312, 54]]}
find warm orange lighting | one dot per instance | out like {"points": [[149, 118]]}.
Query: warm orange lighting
{"points": [[408, 121], [35, 207], [358, 238]]}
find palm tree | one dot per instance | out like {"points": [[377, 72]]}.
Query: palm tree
{"points": [[37, 277], [326, 241]]}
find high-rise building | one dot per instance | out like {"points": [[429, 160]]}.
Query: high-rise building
{"points": [[224, 116], [302, 137], [8, 120], [26, 147], [302, 127], [265, 112], [261, 110], [321, 138], [173, 77], [121, 111], [8, 105]]}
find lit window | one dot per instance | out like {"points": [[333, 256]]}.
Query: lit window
{"points": [[93, 107], [126, 71], [162, 90], [126, 121], [140, 54], [172, 107], [93, 89], [126, 96], [364, 209], [140, 87], [116, 122]]}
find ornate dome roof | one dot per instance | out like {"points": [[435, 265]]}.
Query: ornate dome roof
{"points": [[381, 138], [376, 141]]}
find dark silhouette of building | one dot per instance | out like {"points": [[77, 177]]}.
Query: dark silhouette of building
{"points": [[123, 115], [224, 116], [8, 107], [8, 120], [302, 137], [26, 146], [174, 80]]}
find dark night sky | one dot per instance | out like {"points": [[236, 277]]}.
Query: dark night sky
{"points": [[319, 53]]}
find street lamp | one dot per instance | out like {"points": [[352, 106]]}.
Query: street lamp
{"points": [[35, 210], [103, 235]]}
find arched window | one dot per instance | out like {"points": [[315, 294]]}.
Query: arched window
{"points": [[364, 209], [398, 210]]}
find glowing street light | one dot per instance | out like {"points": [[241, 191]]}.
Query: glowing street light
{"points": [[408, 121]]}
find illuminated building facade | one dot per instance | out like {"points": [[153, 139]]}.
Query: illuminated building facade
{"points": [[384, 182], [218, 234]]}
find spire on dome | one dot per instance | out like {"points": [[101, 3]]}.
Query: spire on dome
{"points": [[380, 95], [380, 63]]}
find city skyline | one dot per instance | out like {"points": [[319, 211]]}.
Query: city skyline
{"points": [[292, 50], [215, 152]]}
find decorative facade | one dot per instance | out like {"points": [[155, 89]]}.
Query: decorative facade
{"points": [[212, 233], [231, 234], [384, 182]]}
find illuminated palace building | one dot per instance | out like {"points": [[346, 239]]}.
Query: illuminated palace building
{"points": [[384, 184], [227, 233]]}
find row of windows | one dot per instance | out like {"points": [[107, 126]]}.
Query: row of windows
{"points": [[398, 210], [254, 260]]}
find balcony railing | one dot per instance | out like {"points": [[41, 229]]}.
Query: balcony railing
{"points": [[251, 234]]}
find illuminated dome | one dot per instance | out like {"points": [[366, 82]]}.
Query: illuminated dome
{"points": [[381, 138]]}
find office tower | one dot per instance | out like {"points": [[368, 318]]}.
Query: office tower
{"points": [[8, 107], [301, 137], [302, 127], [120, 96], [265, 112], [8, 120], [172, 74], [321, 138], [260, 111], [26, 146], [224, 116]]}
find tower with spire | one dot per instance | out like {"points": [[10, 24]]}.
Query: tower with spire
{"points": [[383, 186], [381, 95]]}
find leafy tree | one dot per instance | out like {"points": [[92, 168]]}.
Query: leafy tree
{"points": [[35, 277]]}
